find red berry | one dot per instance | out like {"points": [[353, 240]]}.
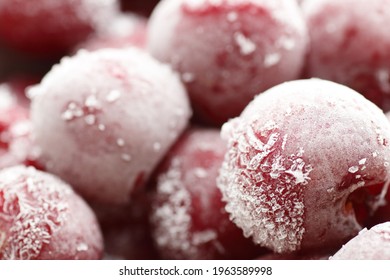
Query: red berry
{"points": [[350, 45], [187, 211], [42, 218], [228, 51], [51, 27], [115, 113], [299, 159]]}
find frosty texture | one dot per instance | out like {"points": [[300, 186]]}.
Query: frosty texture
{"points": [[104, 120], [228, 51], [188, 214], [42, 218], [296, 156]]}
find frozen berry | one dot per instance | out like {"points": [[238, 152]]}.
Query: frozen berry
{"points": [[187, 211], [42, 218], [104, 119], [350, 45], [300, 159], [126, 30], [51, 27], [228, 51], [373, 244]]}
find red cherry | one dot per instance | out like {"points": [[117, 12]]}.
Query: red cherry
{"points": [[302, 156], [188, 215], [42, 218], [228, 51]]}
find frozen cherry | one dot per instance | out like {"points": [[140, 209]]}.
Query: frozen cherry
{"points": [[104, 119], [228, 51], [350, 45], [42, 218], [125, 30], [51, 27], [373, 244], [302, 156], [188, 216]]}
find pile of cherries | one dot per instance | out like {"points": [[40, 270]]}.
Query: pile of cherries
{"points": [[194, 129]]}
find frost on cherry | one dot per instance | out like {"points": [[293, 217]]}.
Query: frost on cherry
{"points": [[303, 155], [227, 51], [30, 212], [41, 217], [174, 214], [117, 111], [268, 185], [188, 216]]}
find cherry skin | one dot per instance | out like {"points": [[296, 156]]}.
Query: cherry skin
{"points": [[115, 112]]}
